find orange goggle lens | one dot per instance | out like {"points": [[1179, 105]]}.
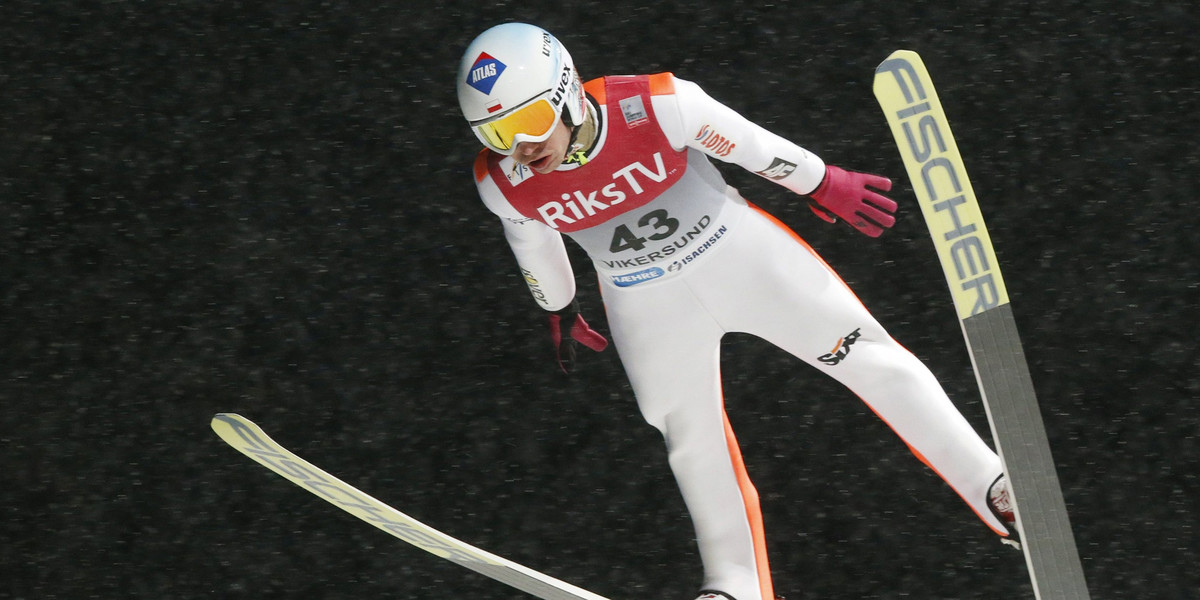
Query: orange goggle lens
{"points": [[534, 120]]}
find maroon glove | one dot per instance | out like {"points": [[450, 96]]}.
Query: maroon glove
{"points": [[848, 194], [578, 333]]}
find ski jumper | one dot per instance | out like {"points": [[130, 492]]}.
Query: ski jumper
{"points": [[682, 260]]}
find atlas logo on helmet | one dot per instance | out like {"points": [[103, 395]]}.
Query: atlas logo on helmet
{"points": [[485, 72]]}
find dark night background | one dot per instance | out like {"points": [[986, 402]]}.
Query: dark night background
{"points": [[267, 208]]}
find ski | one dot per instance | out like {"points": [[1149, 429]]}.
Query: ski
{"points": [[906, 94], [251, 440]]}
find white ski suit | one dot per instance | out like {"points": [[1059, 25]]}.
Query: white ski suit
{"points": [[682, 260]]}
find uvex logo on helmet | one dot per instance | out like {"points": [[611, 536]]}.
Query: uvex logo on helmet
{"points": [[560, 92]]}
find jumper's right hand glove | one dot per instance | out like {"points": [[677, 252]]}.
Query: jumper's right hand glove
{"points": [[846, 194], [578, 332]]}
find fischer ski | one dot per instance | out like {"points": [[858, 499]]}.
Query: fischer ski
{"points": [[249, 439], [939, 180]]}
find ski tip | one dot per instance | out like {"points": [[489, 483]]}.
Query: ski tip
{"points": [[228, 420], [902, 53], [898, 58]]}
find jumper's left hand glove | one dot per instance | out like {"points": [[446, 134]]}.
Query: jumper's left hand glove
{"points": [[578, 332], [846, 194]]}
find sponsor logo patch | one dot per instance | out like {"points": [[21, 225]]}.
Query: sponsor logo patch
{"points": [[637, 277], [634, 111], [716, 143], [535, 287], [582, 205], [484, 73], [712, 240], [779, 169], [842, 349], [515, 172]]}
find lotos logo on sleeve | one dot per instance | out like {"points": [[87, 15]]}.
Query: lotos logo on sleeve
{"points": [[716, 143]]}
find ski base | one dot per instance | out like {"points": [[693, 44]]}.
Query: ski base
{"points": [[1020, 434]]}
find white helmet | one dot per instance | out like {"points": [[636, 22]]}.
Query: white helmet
{"points": [[514, 82]]}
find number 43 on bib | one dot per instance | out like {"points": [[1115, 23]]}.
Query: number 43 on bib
{"points": [[939, 180]]}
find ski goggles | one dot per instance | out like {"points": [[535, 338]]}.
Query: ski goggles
{"points": [[531, 122]]}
